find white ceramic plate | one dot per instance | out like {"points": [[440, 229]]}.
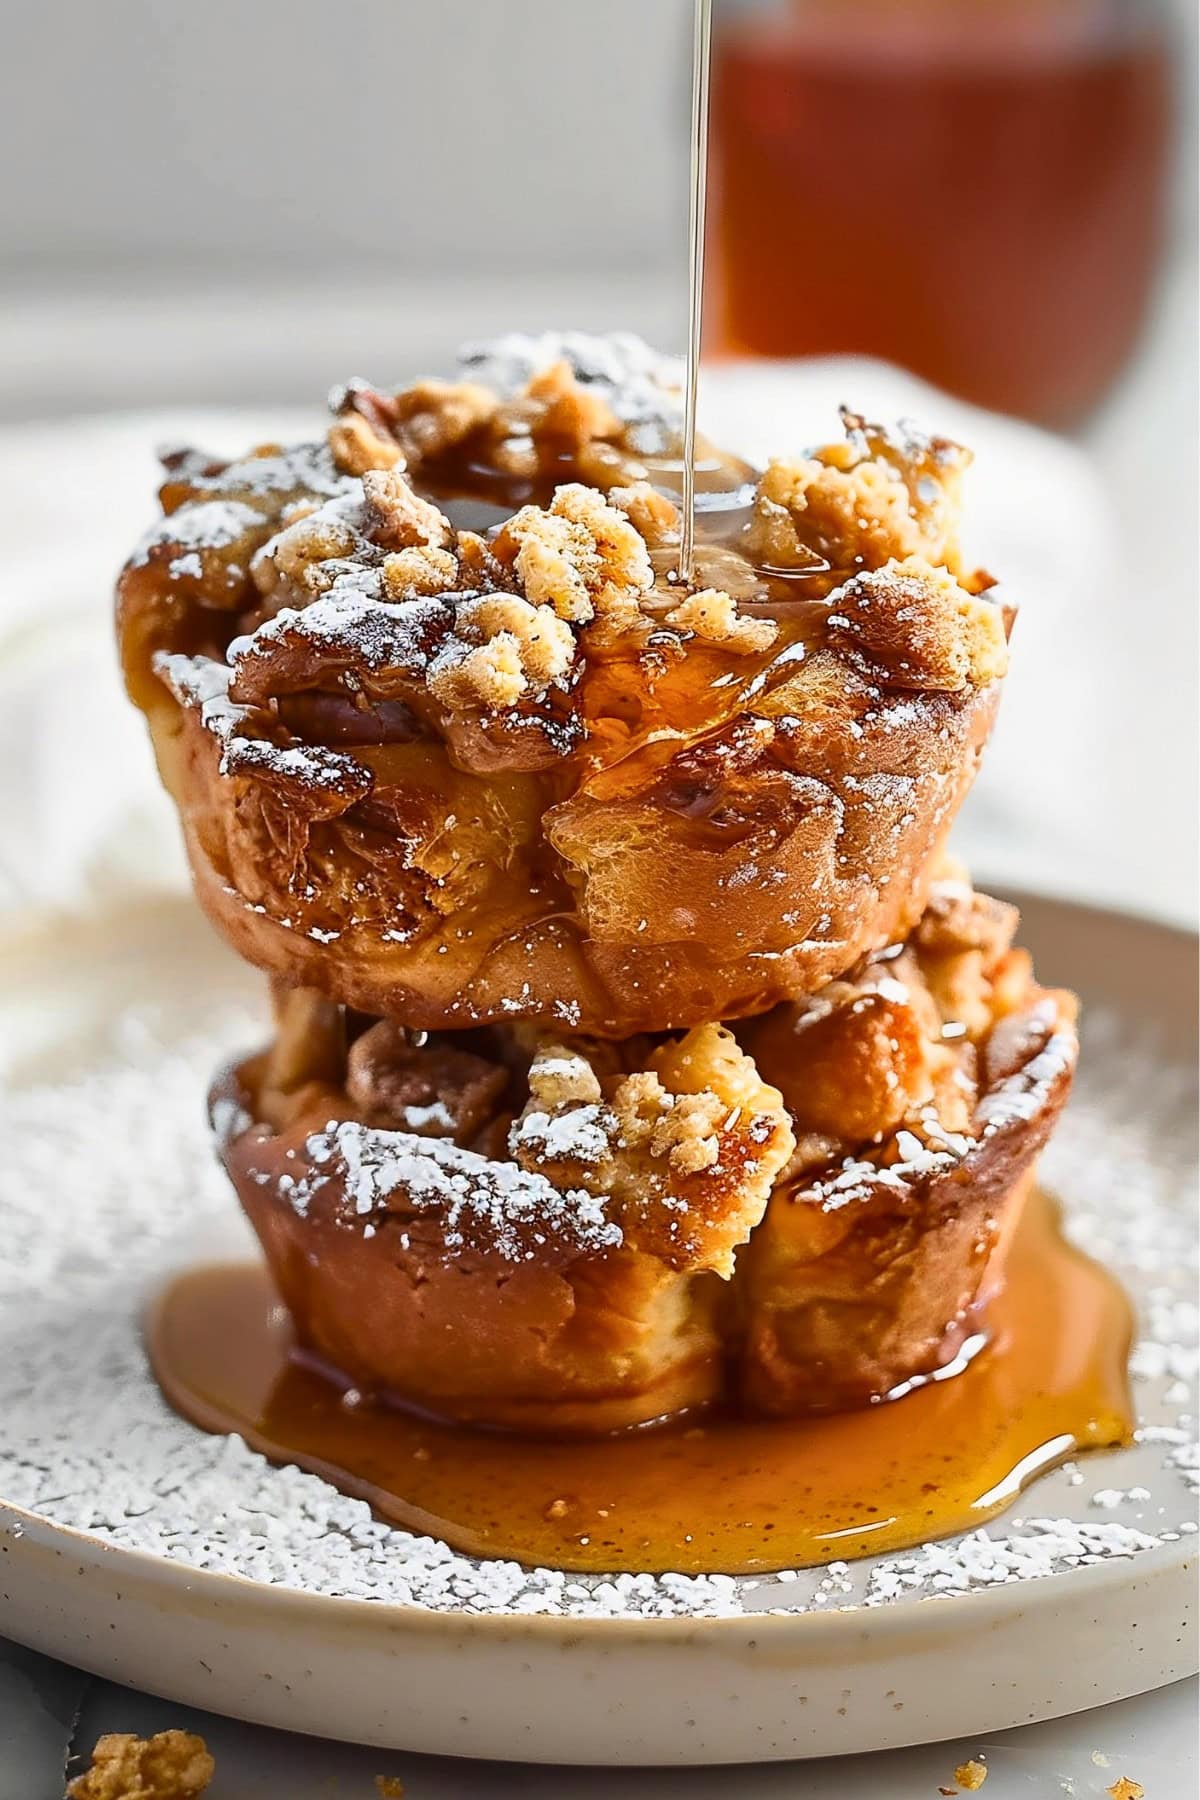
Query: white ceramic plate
{"points": [[1078, 1598]]}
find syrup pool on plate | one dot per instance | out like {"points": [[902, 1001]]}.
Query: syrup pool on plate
{"points": [[708, 1494]]}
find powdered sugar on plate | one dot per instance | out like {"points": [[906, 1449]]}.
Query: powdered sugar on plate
{"points": [[108, 1182]]}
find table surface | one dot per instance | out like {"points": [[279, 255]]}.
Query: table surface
{"points": [[50, 1713]]}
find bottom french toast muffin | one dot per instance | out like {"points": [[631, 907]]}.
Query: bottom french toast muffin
{"points": [[554, 1267], [567, 1235]]}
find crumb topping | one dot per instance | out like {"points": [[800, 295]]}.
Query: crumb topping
{"points": [[884, 1077], [654, 517], [674, 1160], [397, 517], [912, 626], [352, 565], [971, 1775], [558, 584], [503, 647], [878, 497], [641, 387], [714, 618], [356, 445], [560, 1077], [606, 401], [315, 548], [172, 1765], [420, 571], [430, 687], [687, 1147], [431, 417], [582, 557]]}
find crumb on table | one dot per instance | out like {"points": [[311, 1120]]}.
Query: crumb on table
{"points": [[971, 1775], [172, 1765], [1124, 1789], [389, 1787]]}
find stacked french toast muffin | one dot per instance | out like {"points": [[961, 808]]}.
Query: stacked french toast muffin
{"points": [[637, 1047]]}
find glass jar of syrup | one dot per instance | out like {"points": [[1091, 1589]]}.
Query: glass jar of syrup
{"points": [[973, 189]]}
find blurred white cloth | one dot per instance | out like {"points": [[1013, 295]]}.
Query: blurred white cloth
{"points": [[1067, 802]]}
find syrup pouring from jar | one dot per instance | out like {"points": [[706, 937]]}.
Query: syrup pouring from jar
{"points": [[727, 491], [701, 47]]}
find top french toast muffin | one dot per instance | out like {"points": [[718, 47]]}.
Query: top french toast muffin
{"points": [[452, 744]]}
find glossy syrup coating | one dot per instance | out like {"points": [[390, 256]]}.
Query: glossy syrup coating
{"points": [[554, 1233], [450, 745]]}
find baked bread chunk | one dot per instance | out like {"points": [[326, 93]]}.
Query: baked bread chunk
{"points": [[935, 1077]]}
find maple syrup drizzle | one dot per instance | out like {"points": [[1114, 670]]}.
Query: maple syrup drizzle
{"points": [[701, 1495], [701, 47]]}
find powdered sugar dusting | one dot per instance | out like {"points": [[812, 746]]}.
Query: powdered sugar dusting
{"points": [[200, 525], [202, 683], [109, 1177], [307, 468], [581, 1133], [493, 1206], [1018, 1097], [352, 618], [1021, 1096]]}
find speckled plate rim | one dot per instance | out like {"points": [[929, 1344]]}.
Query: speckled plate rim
{"points": [[609, 1691], [16, 1522]]}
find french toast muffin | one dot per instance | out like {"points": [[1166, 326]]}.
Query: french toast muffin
{"points": [[552, 1269], [454, 774], [568, 1235]]}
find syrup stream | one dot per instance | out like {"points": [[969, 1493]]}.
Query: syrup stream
{"points": [[701, 46]]}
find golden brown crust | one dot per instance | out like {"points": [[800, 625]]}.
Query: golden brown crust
{"points": [[849, 1292], [716, 884], [455, 749]]}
